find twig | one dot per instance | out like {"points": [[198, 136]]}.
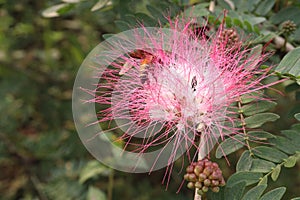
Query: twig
{"points": [[280, 42], [197, 196], [110, 185], [246, 137], [212, 6], [37, 185]]}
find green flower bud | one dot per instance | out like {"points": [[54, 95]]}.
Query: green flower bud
{"points": [[192, 177], [288, 27], [198, 169], [202, 177], [191, 185], [190, 169], [215, 189], [205, 189], [207, 182], [198, 185]]}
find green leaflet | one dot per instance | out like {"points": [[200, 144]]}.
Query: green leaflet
{"points": [[263, 181], [260, 135], [229, 146], [275, 194], [290, 64], [289, 13], [245, 162], [92, 169], [100, 4], [236, 191], [122, 25], [216, 195], [56, 10], [198, 10], [284, 144], [270, 154], [244, 5], [290, 162], [258, 120], [293, 135], [264, 7], [276, 172], [263, 166], [254, 193], [145, 19], [247, 98], [248, 177], [157, 14], [95, 194], [257, 107], [297, 116]]}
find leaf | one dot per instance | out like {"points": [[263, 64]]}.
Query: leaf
{"points": [[122, 25], [254, 193], [238, 22], [290, 162], [247, 98], [260, 135], [145, 19], [270, 154], [297, 116], [53, 11], [229, 146], [258, 120], [236, 191], [275, 194], [252, 19], [264, 7], [293, 135], [297, 198], [263, 38], [263, 181], [289, 13], [245, 162], [71, 1], [100, 4], [284, 144], [228, 5], [263, 166], [107, 35], [198, 10], [64, 189], [248, 177], [257, 107], [216, 195], [95, 194], [290, 64], [157, 14], [93, 168], [248, 25], [244, 5], [276, 172]]}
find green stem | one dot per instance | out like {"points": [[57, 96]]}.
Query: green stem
{"points": [[297, 154], [246, 137], [284, 44], [110, 185]]}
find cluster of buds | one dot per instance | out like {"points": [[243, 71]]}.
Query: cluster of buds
{"points": [[204, 175], [229, 37], [288, 27]]}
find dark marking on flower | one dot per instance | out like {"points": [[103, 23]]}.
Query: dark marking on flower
{"points": [[194, 83]]}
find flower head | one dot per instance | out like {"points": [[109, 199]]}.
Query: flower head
{"points": [[174, 86]]}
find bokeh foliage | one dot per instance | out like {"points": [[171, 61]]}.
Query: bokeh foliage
{"points": [[42, 47]]}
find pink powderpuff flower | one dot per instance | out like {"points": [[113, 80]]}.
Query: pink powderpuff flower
{"points": [[174, 87]]}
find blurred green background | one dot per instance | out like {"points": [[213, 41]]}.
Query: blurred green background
{"points": [[41, 155]]}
